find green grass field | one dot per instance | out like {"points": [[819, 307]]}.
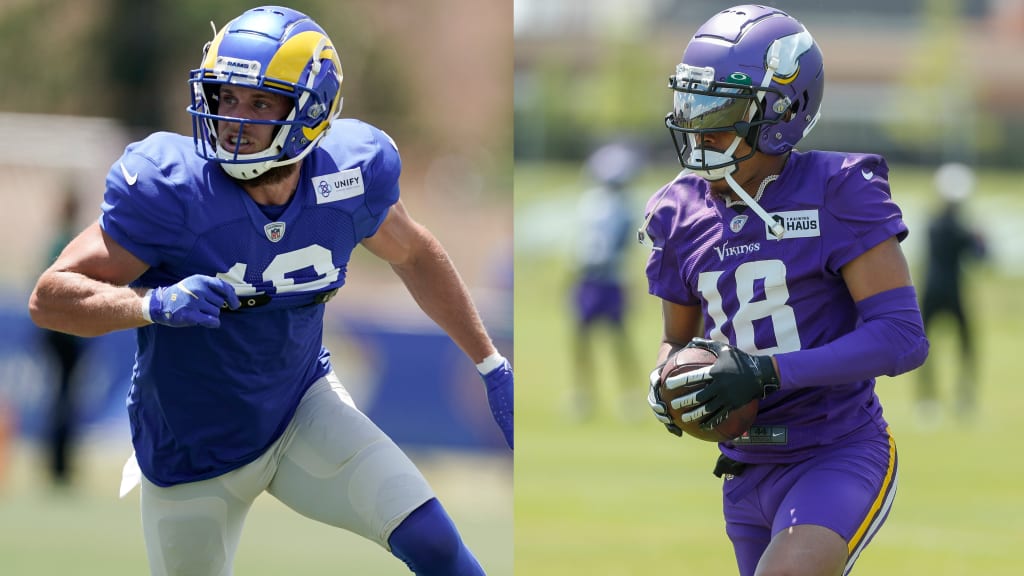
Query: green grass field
{"points": [[87, 531], [614, 497], [608, 497]]}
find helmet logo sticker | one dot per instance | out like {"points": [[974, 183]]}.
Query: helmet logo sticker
{"points": [[237, 69], [740, 78]]}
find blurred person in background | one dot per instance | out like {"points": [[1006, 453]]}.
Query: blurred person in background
{"points": [[220, 250], [787, 265], [66, 349], [952, 244], [602, 235], [7, 423]]}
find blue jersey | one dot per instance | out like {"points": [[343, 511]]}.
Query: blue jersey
{"points": [[206, 401], [603, 232], [768, 296]]}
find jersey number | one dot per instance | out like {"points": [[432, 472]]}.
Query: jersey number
{"points": [[315, 256], [771, 307]]}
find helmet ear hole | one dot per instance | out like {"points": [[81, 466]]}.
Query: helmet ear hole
{"points": [[794, 108], [753, 129], [212, 93]]}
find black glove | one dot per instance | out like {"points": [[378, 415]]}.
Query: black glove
{"points": [[658, 405], [736, 379]]}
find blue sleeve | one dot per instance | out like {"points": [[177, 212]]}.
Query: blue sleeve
{"points": [[138, 211], [382, 188]]}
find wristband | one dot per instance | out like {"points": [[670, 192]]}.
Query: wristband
{"points": [[145, 305], [490, 363]]}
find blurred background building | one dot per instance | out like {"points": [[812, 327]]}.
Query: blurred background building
{"points": [[919, 81]]}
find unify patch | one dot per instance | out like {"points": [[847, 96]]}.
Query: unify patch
{"points": [[338, 186]]}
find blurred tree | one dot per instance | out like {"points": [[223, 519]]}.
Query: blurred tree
{"points": [[939, 105], [626, 92], [569, 96], [129, 59], [47, 63], [134, 50], [406, 67]]}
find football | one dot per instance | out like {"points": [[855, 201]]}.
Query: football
{"points": [[689, 359]]}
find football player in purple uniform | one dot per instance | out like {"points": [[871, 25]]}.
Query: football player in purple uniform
{"points": [[788, 265], [220, 250], [600, 294]]}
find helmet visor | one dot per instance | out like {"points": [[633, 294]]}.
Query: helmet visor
{"points": [[718, 108]]}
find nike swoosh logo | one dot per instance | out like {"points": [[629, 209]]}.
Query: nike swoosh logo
{"points": [[867, 174], [129, 178]]}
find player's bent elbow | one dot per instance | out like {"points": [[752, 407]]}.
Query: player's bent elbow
{"points": [[912, 358], [48, 317], [40, 302], [37, 312], [42, 316]]}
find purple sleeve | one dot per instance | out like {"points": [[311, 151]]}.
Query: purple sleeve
{"points": [[890, 340], [664, 276], [858, 199]]}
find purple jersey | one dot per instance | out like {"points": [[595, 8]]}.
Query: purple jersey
{"points": [[768, 296], [205, 401]]}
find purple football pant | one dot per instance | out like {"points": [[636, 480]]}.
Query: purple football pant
{"points": [[847, 488], [599, 299]]}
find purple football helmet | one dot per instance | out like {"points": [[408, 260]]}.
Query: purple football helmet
{"points": [[753, 70]]}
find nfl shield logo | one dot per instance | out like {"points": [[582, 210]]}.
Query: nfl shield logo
{"points": [[274, 231], [737, 223]]}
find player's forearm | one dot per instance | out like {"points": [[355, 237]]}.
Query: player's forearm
{"points": [[75, 304], [435, 284], [889, 341]]}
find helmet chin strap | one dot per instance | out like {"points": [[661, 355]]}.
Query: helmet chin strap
{"points": [[713, 157], [775, 227], [250, 170]]}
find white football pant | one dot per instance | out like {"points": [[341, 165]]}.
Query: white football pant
{"points": [[331, 464]]}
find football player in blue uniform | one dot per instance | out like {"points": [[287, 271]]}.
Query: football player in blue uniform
{"points": [[220, 250]]}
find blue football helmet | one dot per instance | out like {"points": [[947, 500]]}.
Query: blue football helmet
{"points": [[752, 70], [278, 50]]}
